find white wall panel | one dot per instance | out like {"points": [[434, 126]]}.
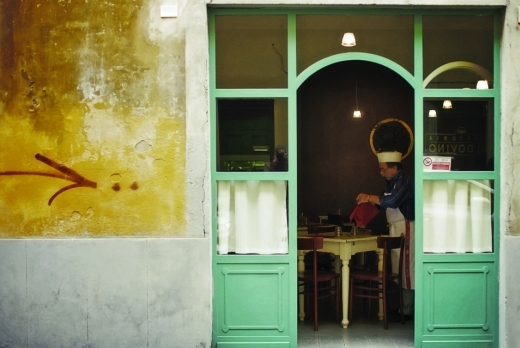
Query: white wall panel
{"points": [[56, 289], [117, 293], [510, 316], [179, 292], [125, 292], [13, 303]]}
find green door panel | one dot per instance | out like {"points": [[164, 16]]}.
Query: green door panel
{"points": [[253, 344], [460, 342], [252, 300], [459, 304]]}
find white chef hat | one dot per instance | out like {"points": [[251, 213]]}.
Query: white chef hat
{"points": [[393, 156]]}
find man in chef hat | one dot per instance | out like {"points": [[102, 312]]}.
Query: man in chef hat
{"points": [[397, 201]]}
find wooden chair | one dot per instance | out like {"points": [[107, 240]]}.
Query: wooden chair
{"points": [[318, 284], [375, 284], [325, 261]]}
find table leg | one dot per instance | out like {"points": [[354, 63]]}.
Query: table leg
{"points": [[380, 268], [301, 299], [345, 280]]}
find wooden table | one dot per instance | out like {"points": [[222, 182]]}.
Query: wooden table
{"points": [[344, 246]]}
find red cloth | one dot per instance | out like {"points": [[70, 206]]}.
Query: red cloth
{"points": [[363, 213]]}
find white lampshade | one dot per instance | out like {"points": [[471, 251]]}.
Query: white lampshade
{"points": [[357, 114], [349, 40], [432, 113], [482, 84], [447, 104]]}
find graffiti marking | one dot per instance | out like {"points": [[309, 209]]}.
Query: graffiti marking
{"points": [[67, 174]]}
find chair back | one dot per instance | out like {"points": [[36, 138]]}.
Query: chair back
{"points": [[388, 243], [329, 282], [313, 243]]}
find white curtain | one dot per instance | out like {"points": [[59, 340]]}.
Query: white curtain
{"points": [[457, 216], [252, 217]]}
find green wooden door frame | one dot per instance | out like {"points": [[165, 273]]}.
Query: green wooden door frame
{"points": [[428, 264], [424, 262]]}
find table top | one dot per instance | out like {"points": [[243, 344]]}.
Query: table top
{"points": [[331, 236]]}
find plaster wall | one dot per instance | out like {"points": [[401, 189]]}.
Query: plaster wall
{"points": [[509, 300], [103, 93], [67, 281], [93, 120]]}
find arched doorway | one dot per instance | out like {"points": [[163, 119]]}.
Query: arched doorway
{"points": [[335, 160]]}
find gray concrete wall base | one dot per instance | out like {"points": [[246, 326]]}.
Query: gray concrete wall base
{"points": [[126, 292]]}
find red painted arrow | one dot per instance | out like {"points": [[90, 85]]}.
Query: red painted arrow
{"points": [[68, 174]]}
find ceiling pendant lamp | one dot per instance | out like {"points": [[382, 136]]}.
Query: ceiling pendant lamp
{"points": [[357, 113], [432, 113], [447, 104], [349, 40], [482, 84]]}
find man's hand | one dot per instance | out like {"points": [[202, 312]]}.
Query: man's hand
{"points": [[362, 198]]}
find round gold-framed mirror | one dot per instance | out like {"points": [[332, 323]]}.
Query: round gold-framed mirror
{"points": [[391, 134]]}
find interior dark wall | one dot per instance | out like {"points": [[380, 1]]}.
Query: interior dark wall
{"points": [[335, 160]]}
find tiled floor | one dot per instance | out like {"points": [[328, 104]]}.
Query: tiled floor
{"points": [[361, 333]]}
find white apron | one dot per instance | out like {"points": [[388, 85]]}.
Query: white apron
{"points": [[399, 225]]}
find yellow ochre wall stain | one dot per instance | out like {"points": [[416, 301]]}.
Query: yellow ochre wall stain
{"points": [[84, 84]]}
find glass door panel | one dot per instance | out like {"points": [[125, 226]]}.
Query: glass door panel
{"points": [[458, 216], [460, 137], [252, 217], [252, 135], [251, 51], [458, 51], [319, 36]]}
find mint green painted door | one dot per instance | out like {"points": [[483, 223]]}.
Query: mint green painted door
{"points": [[268, 54], [254, 253], [457, 200]]}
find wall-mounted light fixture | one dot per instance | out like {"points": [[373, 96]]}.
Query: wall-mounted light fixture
{"points": [[357, 113], [447, 104], [169, 11], [349, 40], [482, 84], [432, 113]]}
